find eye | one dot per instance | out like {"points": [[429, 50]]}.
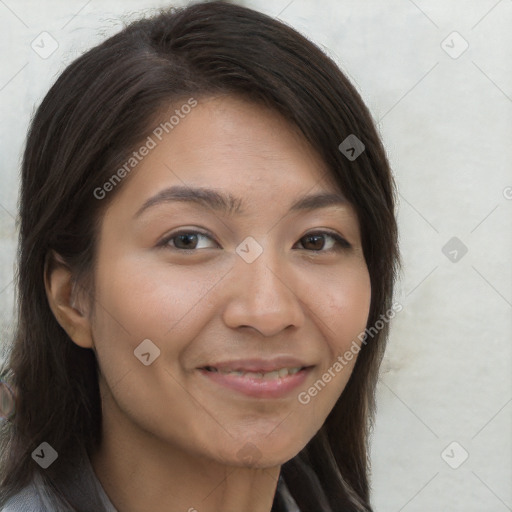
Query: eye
{"points": [[316, 242], [188, 241], [185, 240]]}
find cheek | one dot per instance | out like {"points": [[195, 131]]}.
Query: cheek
{"points": [[346, 308], [344, 311], [147, 299], [136, 301]]}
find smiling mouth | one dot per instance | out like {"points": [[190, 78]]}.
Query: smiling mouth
{"points": [[276, 383], [280, 373]]}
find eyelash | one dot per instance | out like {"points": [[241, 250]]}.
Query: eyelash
{"points": [[340, 241]]}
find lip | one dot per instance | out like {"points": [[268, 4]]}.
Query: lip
{"points": [[258, 365], [259, 387]]}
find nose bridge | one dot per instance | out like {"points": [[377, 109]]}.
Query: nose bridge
{"points": [[262, 298], [265, 276]]}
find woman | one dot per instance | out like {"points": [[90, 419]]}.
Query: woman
{"points": [[152, 371]]}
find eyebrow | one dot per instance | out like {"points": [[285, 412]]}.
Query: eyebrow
{"points": [[228, 204]]}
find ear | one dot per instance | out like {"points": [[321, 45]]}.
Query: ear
{"points": [[60, 294]]}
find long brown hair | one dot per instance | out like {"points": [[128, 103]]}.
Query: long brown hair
{"points": [[93, 117]]}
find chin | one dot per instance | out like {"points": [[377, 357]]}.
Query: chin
{"points": [[265, 453]]}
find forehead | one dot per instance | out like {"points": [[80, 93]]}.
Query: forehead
{"points": [[229, 144]]}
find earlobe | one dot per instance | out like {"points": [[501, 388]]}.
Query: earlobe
{"points": [[59, 291]]}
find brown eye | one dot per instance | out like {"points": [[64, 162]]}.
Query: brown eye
{"points": [[313, 242], [316, 242], [184, 240]]}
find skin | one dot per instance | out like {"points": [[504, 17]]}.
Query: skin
{"points": [[173, 440]]}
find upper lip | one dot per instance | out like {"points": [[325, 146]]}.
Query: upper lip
{"points": [[258, 365]]}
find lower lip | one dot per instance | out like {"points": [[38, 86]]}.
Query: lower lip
{"points": [[258, 387]]}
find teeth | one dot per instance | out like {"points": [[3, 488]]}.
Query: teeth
{"points": [[282, 372]]}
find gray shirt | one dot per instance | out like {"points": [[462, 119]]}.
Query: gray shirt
{"points": [[86, 489]]}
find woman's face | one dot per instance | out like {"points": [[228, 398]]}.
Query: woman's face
{"points": [[186, 288]]}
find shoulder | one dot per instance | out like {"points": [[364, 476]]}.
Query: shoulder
{"points": [[79, 490], [27, 500]]}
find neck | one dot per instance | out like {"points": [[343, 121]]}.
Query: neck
{"points": [[141, 472]]}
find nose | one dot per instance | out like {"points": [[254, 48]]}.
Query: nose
{"points": [[263, 296]]}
